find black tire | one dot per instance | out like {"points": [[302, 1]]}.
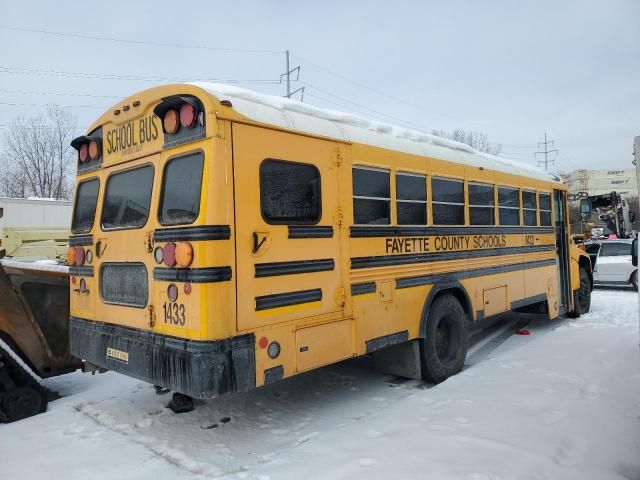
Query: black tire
{"points": [[582, 296], [634, 280], [23, 402], [181, 403], [444, 347]]}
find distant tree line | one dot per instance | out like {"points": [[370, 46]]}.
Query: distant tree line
{"points": [[36, 158], [478, 140]]}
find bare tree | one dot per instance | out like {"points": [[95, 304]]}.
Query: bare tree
{"points": [[477, 140], [37, 159]]}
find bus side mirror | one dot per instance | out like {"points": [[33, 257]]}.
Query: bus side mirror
{"points": [[585, 209], [634, 252]]}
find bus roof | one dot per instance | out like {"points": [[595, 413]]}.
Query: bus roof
{"points": [[294, 115]]}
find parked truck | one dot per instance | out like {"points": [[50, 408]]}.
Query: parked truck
{"points": [[34, 330]]}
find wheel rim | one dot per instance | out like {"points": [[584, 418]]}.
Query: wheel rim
{"points": [[445, 340]]}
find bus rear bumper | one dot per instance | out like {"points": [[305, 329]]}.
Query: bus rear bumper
{"points": [[200, 369]]}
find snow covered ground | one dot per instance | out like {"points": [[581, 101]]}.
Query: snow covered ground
{"points": [[562, 403]]}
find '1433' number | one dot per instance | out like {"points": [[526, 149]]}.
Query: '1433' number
{"points": [[174, 313]]}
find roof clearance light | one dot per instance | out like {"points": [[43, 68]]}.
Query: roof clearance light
{"points": [[188, 115], [184, 254], [84, 153], [171, 121], [94, 150]]}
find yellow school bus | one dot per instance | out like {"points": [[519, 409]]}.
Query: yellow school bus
{"points": [[223, 240]]}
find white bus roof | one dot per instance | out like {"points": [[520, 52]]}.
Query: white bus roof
{"points": [[294, 115]]}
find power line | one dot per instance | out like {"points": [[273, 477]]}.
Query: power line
{"points": [[136, 42], [418, 107], [51, 104], [61, 94], [387, 116], [111, 76], [36, 127]]}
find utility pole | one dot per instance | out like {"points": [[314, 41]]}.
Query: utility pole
{"points": [[288, 74], [546, 152]]}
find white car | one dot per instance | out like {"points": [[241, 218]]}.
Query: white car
{"points": [[611, 261]]}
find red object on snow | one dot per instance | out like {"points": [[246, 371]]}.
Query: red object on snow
{"points": [[523, 331]]}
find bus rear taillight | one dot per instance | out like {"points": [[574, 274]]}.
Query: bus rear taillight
{"points": [[71, 256], [79, 256], [169, 254], [184, 254]]}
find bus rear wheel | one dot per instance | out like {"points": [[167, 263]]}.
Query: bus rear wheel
{"points": [[444, 347], [582, 296]]}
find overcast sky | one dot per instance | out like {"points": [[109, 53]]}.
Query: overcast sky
{"points": [[511, 69]]}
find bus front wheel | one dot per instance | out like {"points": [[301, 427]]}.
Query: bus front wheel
{"points": [[444, 347], [582, 296]]}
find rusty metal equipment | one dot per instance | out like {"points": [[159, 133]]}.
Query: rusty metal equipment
{"points": [[34, 323]]}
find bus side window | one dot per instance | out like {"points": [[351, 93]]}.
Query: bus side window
{"points": [[448, 201], [289, 192], [545, 209], [371, 196], [509, 206], [481, 204], [411, 199], [530, 208]]}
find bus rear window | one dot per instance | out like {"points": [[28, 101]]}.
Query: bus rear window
{"points": [[85, 207], [181, 189], [127, 198]]}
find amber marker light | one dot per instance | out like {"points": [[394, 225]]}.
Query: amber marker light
{"points": [[171, 121], [187, 115], [71, 256], [94, 150], [184, 254], [84, 152]]}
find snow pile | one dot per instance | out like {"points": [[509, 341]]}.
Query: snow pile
{"points": [[292, 114], [50, 266], [562, 403]]}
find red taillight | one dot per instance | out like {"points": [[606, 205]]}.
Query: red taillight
{"points": [[171, 121], [187, 288], [73, 280], [84, 152], [79, 256], [263, 342], [169, 254], [187, 115]]}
